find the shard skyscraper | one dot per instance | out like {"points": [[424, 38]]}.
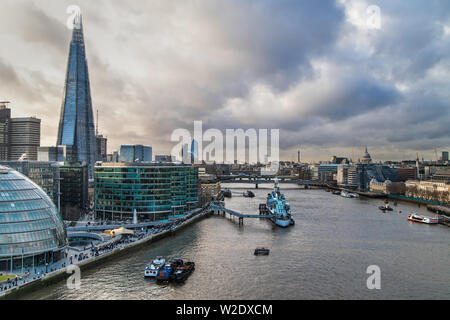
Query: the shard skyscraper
{"points": [[76, 126]]}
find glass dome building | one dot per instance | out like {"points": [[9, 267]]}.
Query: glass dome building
{"points": [[32, 232]]}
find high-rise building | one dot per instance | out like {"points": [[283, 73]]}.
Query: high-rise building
{"points": [[135, 153], [74, 190], [5, 115], [102, 143], [185, 155], [44, 173], [444, 155], [194, 152], [20, 138], [24, 138], [76, 125]]}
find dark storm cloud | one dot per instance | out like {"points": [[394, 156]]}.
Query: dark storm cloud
{"points": [[301, 66], [37, 26], [13, 85]]}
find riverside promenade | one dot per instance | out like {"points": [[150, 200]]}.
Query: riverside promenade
{"points": [[114, 248]]}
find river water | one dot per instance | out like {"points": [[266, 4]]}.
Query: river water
{"points": [[324, 256]]}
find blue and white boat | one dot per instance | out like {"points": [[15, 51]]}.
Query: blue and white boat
{"points": [[152, 269], [279, 208]]}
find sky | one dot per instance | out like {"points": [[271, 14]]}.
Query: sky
{"points": [[325, 73]]}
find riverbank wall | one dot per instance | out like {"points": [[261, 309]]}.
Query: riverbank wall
{"points": [[62, 274]]}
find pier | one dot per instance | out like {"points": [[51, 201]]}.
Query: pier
{"points": [[219, 207]]}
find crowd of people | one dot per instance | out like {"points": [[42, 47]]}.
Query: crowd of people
{"points": [[94, 251]]}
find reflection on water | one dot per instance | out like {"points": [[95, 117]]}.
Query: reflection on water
{"points": [[324, 256]]}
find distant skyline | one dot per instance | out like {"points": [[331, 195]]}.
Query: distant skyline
{"points": [[313, 69]]}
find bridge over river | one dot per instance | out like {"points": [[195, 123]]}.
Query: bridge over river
{"points": [[261, 179]]}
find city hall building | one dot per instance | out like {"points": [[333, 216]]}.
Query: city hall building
{"points": [[156, 191], [32, 233]]}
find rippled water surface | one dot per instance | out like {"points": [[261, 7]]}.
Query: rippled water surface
{"points": [[324, 256]]}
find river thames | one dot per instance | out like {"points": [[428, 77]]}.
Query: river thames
{"points": [[324, 256]]}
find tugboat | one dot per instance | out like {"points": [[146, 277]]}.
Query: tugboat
{"points": [[152, 269], [277, 206], [421, 219], [248, 194], [184, 271]]}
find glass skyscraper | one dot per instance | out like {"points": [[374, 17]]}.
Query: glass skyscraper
{"points": [[76, 125]]}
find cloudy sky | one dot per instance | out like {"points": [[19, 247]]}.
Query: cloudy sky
{"points": [[317, 70]]}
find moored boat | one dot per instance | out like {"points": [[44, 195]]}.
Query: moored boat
{"points": [[279, 208], [422, 219], [184, 271], [152, 269], [248, 194], [167, 272], [386, 207], [227, 193]]}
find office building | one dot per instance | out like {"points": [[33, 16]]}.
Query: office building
{"points": [[24, 138], [360, 175], [102, 146], [74, 190], [44, 173], [342, 175], [194, 152], [406, 173], [135, 153], [164, 158], [20, 138], [444, 156], [76, 125], [155, 191]]}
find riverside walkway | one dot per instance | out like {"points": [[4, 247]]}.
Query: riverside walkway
{"points": [[86, 256]]}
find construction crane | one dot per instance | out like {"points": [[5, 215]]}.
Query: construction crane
{"points": [[437, 158]]}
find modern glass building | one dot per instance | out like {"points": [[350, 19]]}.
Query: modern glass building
{"points": [[135, 153], [76, 125], [32, 232], [44, 173], [156, 191]]}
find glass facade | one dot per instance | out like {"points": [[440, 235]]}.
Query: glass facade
{"points": [[76, 126], [157, 192], [135, 153], [29, 222]]}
